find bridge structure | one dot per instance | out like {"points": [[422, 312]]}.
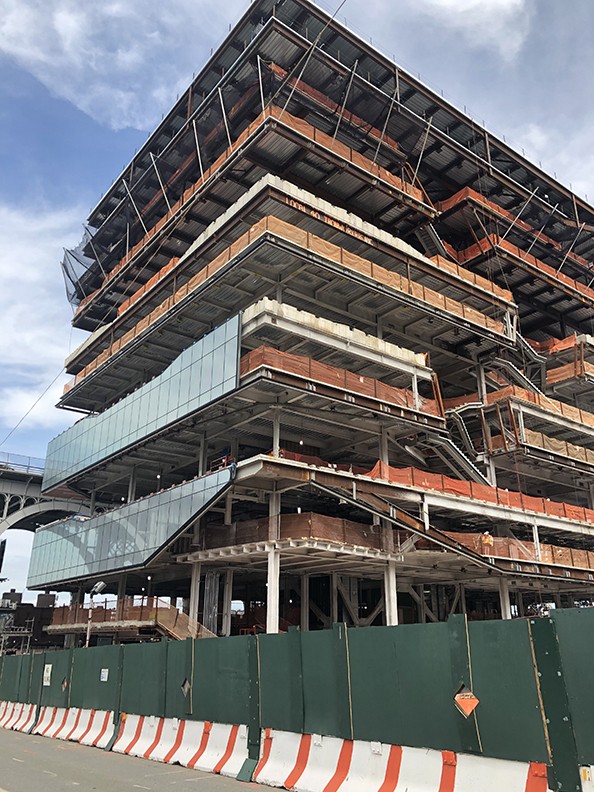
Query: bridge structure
{"points": [[21, 503]]}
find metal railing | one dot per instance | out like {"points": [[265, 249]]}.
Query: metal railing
{"points": [[21, 464], [131, 610]]}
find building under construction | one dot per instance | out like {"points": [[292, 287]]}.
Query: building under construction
{"points": [[338, 366]]}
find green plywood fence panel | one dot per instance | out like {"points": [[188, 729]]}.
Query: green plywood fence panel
{"points": [[281, 681], [143, 678], [95, 682], [509, 716], [222, 684], [326, 682], [178, 699], [575, 634], [402, 686], [36, 678], [11, 674], [23, 693], [55, 687]]}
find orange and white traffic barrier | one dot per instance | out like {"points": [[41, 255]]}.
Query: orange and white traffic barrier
{"points": [[88, 727], [50, 721], [26, 719], [312, 763], [211, 747], [7, 710], [17, 716]]}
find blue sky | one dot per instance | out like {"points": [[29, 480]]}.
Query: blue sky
{"points": [[82, 84]]}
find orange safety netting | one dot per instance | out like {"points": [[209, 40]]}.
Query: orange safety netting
{"points": [[412, 477], [553, 345], [552, 444], [306, 241], [579, 368], [487, 244], [152, 282], [550, 405], [505, 547], [294, 124], [339, 378], [468, 194], [513, 392]]}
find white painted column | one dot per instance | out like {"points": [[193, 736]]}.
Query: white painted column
{"points": [[272, 590], [390, 594], [227, 600], [304, 620], [504, 598], [195, 591]]}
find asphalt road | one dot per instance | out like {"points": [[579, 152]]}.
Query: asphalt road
{"points": [[30, 763]]}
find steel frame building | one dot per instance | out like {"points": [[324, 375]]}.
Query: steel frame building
{"points": [[338, 365]]}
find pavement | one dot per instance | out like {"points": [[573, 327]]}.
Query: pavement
{"points": [[29, 763]]}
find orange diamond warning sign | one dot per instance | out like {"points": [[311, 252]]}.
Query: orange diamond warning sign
{"points": [[466, 701]]}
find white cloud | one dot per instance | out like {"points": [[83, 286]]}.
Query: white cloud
{"points": [[35, 334], [499, 25], [566, 155], [119, 61]]}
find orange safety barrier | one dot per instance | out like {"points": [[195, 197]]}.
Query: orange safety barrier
{"points": [[342, 379], [551, 444], [294, 124], [513, 392], [306, 241], [468, 489], [487, 244], [470, 195], [553, 345]]}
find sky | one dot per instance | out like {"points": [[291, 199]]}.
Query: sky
{"points": [[82, 84]]}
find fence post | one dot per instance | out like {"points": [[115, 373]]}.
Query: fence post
{"points": [[564, 774], [254, 717]]}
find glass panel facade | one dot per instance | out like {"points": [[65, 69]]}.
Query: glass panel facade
{"points": [[123, 538], [203, 372]]}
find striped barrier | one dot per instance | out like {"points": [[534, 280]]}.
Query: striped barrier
{"points": [[17, 716], [87, 727], [211, 747], [311, 763]]}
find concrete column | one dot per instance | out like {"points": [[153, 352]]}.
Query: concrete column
{"points": [[92, 504], [390, 594], [481, 382], [304, 620], [334, 597], [228, 509], [274, 508], [421, 604], [121, 596], [195, 591], [504, 598], [276, 432], [383, 447], [520, 603], [132, 486], [202, 455], [272, 591], [536, 540], [227, 600]]}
